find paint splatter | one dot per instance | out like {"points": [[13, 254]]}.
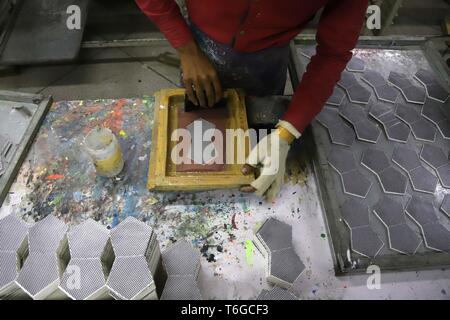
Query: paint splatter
{"points": [[249, 252]]}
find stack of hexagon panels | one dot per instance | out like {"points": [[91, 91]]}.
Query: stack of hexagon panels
{"points": [[274, 241], [48, 261], [91, 257], [182, 264], [137, 262], [13, 251]]}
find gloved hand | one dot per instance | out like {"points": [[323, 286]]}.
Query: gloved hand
{"points": [[270, 155]]}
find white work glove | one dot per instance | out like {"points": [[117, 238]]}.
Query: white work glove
{"points": [[270, 155]]}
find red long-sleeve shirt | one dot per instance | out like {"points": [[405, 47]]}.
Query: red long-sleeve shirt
{"points": [[251, 25]]}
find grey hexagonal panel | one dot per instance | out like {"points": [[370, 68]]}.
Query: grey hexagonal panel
{"points": [[276, 293], [355, 91], [421, 211], [131, 237], [436, 237], [422, 129], [365, 241], [389, 211], [445, 207], [383, 90], [432, 86], [356, 65], [181, 259], [181, 288], [9, 267], [46, 236], [356, 184], [421, 179], [396, 130], [340, 133], [434, 112], [411, 92], [353, 181], [355, 213], [437, 159], [39, 275], [391, 180], [337, 97], [364, 128], [87, 240], [92, 281], [13, 233], [286, 266], [403, 239], [130, 278]]}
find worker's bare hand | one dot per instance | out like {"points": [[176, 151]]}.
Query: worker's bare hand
{"points": [[199, 76]]}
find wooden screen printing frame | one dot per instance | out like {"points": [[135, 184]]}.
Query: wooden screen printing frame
{"points": [[162, 172]]}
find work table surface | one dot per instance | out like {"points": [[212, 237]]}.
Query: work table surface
{"points": [[58, 178]]}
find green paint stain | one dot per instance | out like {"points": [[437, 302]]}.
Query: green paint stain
{"points": [[323, 235], [57, 200], [249, 252]]}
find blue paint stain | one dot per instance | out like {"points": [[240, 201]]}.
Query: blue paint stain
{"points": [[77, 196]]}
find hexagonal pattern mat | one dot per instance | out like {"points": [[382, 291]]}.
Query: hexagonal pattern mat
{"points": [[395, 129], [391, 180], [337, 97], [356, 65], [364, 128], [421, 179], [421, 128], [340, 133], [436, 158], [401, 237], [353, 181], [434, 111], [355, 91], [411, 92], [383, 90], [423, 213], [432, 86]]}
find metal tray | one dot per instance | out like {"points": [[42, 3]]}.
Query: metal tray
{"points": [[404, 55]]}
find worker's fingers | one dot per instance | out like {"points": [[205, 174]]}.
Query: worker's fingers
{"points": [[200, 93], [263, 183], [275, 188], [247, 189], [190, 92], [217, 88], [210, 94], [258, 153], [247, 169]]}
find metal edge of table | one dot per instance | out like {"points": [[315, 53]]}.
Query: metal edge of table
{"points": [[21, 152]]}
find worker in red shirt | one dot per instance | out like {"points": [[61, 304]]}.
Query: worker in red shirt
{"points": [[244, 44]]}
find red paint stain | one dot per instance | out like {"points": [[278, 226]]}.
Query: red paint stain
{"points": [[114, 120], [55, 177], [233, 221]]}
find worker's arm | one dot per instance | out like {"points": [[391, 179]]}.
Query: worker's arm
{"points": [[198, 72], [337, 34]]}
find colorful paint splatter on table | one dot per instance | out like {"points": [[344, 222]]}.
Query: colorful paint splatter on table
{"points": [[59, 178]]}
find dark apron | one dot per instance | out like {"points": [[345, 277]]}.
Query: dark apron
{"points": [[259, 73]]}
